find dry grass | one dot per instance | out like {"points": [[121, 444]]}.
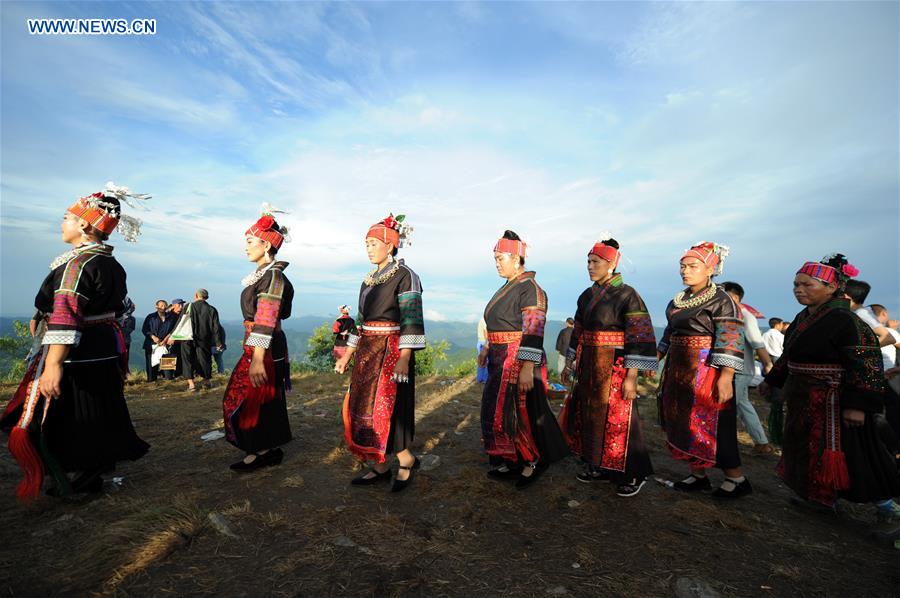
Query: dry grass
{"points": [[301, 529]]}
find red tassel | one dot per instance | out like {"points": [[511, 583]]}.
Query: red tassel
{"points": [[706, 394], [833, 470], [30, 461]]}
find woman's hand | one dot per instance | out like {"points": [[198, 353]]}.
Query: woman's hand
{"points": [[629, 385], [853, 418], [724, 385], [483, 357], [49, 383], [565, 376], [401, 369], [526, 376], [258, 367], [340, 366]]}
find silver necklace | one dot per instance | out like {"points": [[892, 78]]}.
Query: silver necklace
{"points": [[695, 301]]}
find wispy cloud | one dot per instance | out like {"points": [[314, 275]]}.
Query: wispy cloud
{"points": [[664, 123]]}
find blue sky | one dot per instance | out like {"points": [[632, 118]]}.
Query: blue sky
{"points": [[770, 127]]}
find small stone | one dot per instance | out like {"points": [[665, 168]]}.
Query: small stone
{"points": [[574, 504], [557, 591], [692, 587], [576, 565], [221, 525], [429, 462], [340, 508], [344, 541]]}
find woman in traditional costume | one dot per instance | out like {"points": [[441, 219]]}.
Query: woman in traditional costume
{"points": [[342, 328], [379, 409], [69, 413], [612, 341], [518, 428], [255, 406], [832, 381], [704, 346]]}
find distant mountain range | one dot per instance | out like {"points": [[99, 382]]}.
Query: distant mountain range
{"points": [[461, 336]]}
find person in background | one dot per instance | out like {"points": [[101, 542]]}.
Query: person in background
{"points": [[342, 328], [563, 339], [857, 291], [156, 328], [176, 307], [889, 354], [205, 329], [481, 374], [127, 321], [218, 352], [773, 338], [753, 343]]}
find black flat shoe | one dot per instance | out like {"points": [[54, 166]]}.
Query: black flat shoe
{"points": [[378, 477], [693, 484], [277, 456], [504, 472], [738, 489], [525, 481], [272, 457], [399, 485]]}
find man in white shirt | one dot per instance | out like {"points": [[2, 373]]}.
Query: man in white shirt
{"points": [[753, 343], [857, 291], [773, 338]]}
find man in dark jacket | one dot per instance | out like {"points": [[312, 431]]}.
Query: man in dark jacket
{"points": [[205, 329], [156, 328], [562, 344]]}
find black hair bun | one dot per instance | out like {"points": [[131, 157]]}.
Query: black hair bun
{"points": [[836, 260], [508, 234]]}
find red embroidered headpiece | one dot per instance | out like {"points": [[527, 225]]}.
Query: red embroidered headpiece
{"points": [[391, 230], [711, 254], [265, 229], [103, 210], [606, 252], [91, 210], [519, 248], [828, 274], [705, 252]]}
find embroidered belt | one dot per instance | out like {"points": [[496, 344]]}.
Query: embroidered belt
{"points": [[694, 342], [603, 338], [99, 319], [380, 328], [504, 338], [827, 372]]}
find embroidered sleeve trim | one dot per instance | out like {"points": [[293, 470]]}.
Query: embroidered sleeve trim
{"points": [[571, 354], [411, 341], [530, 354], [662, 347], [352, 340], [62, 337], [729, 361], [258, 340], [641, 362]]}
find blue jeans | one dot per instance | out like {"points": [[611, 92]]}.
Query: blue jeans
{"points": [[746, 411]]}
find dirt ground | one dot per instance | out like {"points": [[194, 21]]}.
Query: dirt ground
{"points": [[301, 529]]}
